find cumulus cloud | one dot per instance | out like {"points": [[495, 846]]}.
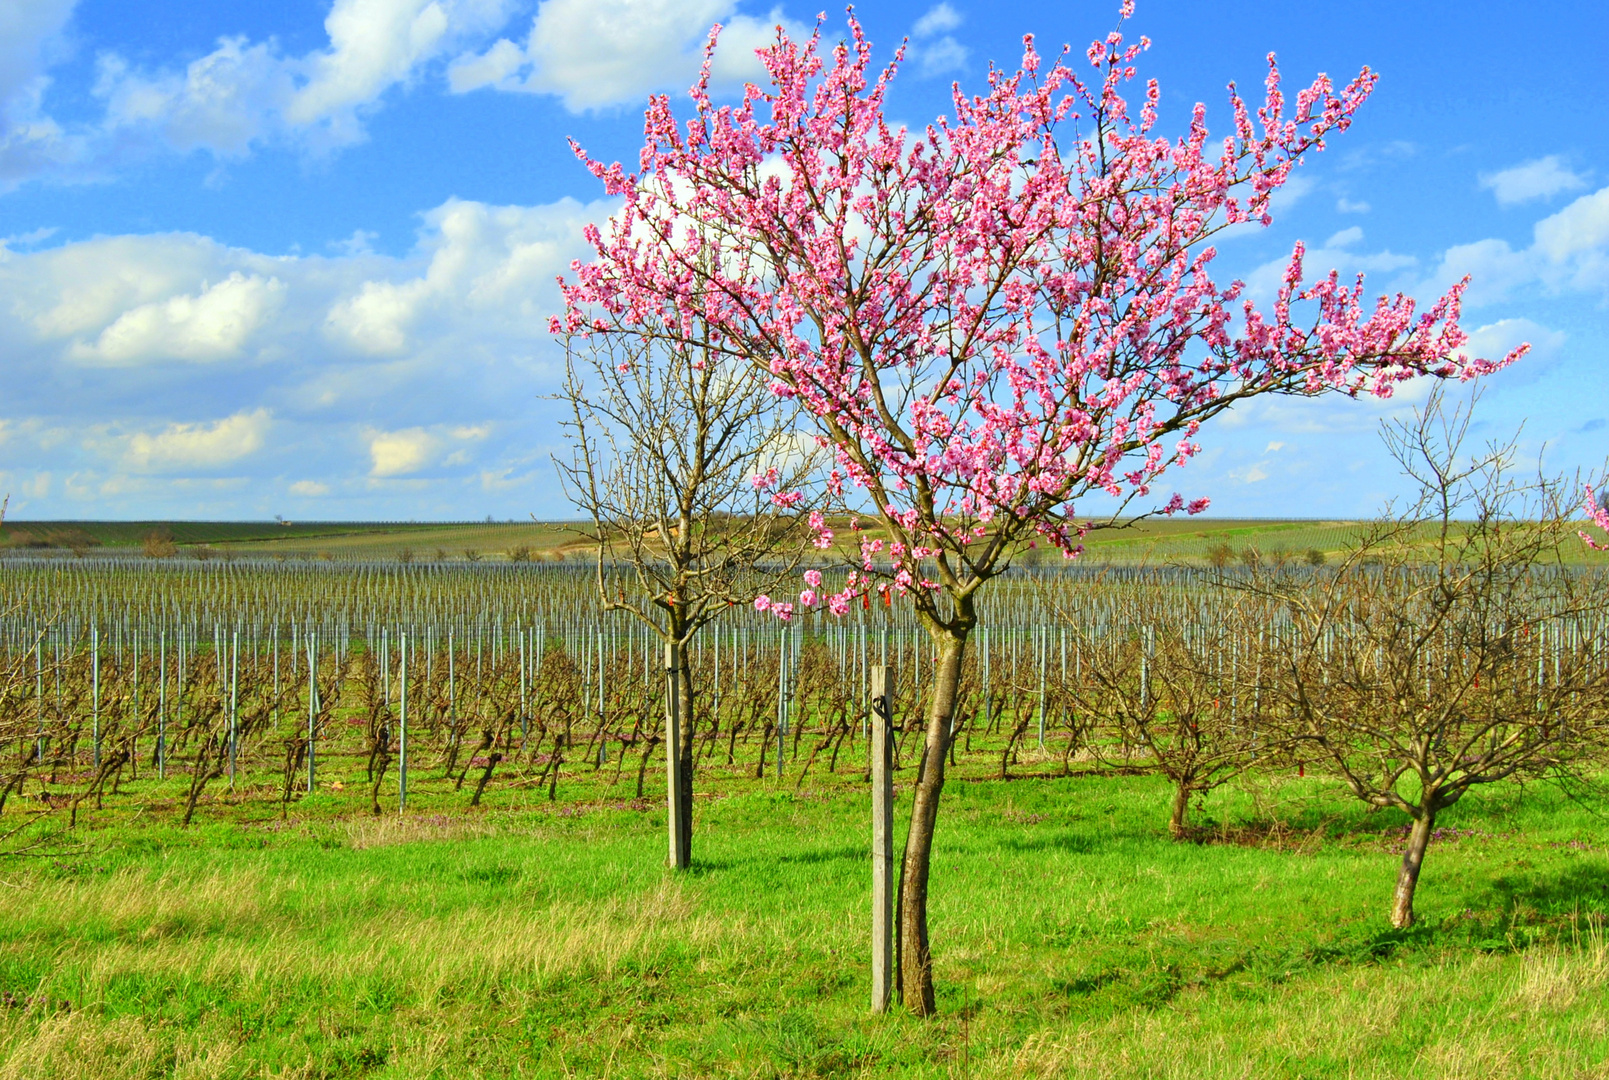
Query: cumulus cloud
{"points": [[31, 40], [168, 332], [938, 20], [496, 261], [1495, 270], [1498, 339], [209, 326], [1581, 227], [398, 453], [1539, 179], [412, 450], [198, 445], [1345, 237], [1569, 251], [246, 92], [935, 50], [309, 489], [597, 53]]}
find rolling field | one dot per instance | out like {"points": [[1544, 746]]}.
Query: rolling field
{"points": [[335, 540], [1157, 542]]}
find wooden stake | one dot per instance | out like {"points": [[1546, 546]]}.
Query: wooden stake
{"points": [[675, 801], [881, 748]]}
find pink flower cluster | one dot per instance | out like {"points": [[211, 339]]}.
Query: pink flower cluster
{"points": [[1599, 513], [1003, 312]]}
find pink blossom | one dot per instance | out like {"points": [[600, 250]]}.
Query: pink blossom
{"points": [[762, 602], [1006, 311], [1600, 517]]}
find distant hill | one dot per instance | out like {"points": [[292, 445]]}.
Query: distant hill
{"points": [[343, 539], [1155, 542]]}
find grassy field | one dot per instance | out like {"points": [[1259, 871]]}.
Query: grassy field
{"points": [[537, 938]]}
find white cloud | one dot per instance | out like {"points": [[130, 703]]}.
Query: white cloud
{"points": [[940, 55], [179, 327], [242, 92], [29, 238], [1495, 270], [191, 446], [937, 20], [497, 262], [1347, 206], [397, 453], [1344, 237], [375, 321], [80, 288], [598, 53], [309, 489], [1569, 250], [1539, 179], [1297, 186], [1496, 340], [31, 40], [945, 54], [1580, 227], [30, 31], [497, 66], [210, 326]]}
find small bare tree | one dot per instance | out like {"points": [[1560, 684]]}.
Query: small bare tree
{"points": [[1190, 695], [1451, 648], [694, 479]]}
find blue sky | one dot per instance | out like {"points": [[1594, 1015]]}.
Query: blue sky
{"points": [[297, 257]]}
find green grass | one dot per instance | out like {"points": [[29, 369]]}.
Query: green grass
{"points": [[544, 939]]}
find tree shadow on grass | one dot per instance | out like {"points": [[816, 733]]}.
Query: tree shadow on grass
{"points": [[1518, 909], [853, 853], [1073, 843], [1513, 912], [1127, 977]]}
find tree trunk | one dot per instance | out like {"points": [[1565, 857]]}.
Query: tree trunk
{"points": [[1408, 875], [1177, 828], [916, 958], [678, 752]]}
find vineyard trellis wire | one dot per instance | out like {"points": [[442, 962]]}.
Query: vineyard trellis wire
{"points": [[272, 680]]}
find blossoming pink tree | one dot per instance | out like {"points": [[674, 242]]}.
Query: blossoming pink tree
{"points": [[1596, 506], [989, 319]]}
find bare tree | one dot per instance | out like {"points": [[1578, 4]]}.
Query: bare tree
{"points": [[1189, 694], [695, 482], [1451, 648]]}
